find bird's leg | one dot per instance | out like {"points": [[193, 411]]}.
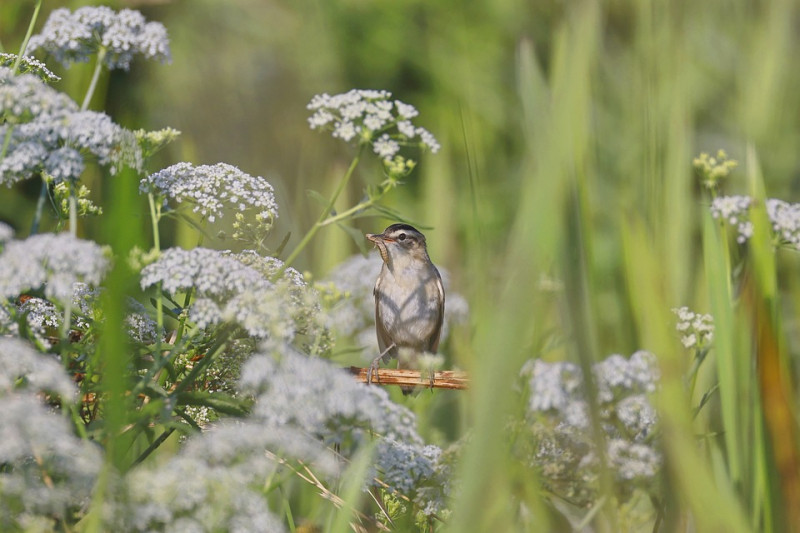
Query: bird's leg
{"points": [[373, 367]]}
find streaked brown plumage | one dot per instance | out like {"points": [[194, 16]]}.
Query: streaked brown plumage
{"points": [[409, 296]]}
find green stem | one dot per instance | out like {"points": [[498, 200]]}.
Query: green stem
{"points": [[6, 141], [345, 214], [699, 357], [37, 217], [77, 421], [155, 216], [73, 211], [101, 55], [726, 248], [319, 223], [27, 38], [156, 443], [73, 229], [182, 321]]}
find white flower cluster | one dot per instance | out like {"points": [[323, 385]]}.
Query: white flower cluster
{"points": [[229, 291], [29, 65], [784, 217], [210, 188], [301, 302], [25, 97], [140, 325], [370, 116], [696, 329], [735, 211], [312, 397], [226, 468], [354, 315], [76, 36], [47, 471], [54, 262], [49, 134], [26, 369], [560, 424], [42, 318]]}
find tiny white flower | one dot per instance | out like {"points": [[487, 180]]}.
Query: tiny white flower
{"points": [[405, 110], [689, 341], [406, 128], [358, 114], [345, 130], [386, 147], [210, 188], [373, 122]]}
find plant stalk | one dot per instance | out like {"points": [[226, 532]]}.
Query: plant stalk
{"points": [[101, 54], [319, 223]]}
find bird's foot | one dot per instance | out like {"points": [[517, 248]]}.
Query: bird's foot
{"points": [[373, 367]]}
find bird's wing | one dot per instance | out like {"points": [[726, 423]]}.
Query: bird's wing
{"points": [[434, 340], [384, 339]]}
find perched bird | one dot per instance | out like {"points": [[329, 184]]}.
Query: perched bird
{"points": [[409, 297]]}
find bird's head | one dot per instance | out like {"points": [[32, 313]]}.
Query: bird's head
{"points": [[400, 241]]}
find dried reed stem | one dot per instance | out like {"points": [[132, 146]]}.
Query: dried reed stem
{"points": [[449, 379]]}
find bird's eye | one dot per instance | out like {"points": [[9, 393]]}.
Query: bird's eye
{"points": [[401, 237]]}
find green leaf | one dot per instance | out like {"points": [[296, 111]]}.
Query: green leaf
{"points": [[392, 214], [219, 401], [357, 236], [321, 199], [167, 310], [282, 245], [351, 491], [180, 215]]}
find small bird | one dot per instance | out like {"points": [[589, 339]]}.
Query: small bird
{"points": [[409, 297]]}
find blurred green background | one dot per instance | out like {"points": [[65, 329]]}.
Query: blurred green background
{"points": [[662, 81], [563, 200]]}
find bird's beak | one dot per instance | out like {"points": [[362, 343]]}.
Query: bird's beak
{"points": [[380, 244]]}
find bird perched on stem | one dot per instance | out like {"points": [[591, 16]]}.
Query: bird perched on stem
{"points": [[409, 298]]}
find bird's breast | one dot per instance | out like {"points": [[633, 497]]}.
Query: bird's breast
{"points": [[409, 305]]}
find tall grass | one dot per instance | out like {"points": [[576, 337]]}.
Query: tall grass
{"points": [[568, 131]]}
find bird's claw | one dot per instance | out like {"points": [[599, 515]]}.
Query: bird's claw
{"points": [[373, 369]]}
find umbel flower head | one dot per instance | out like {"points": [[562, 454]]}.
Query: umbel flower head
{"points": [[558, 420], [784, 217], [53, 262], [30, 65], [696, 329], [210, 188], [73, 37], [370, 116], [305, 395], [25, 369], [47, 470], [50, 134], [233, 289]]}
